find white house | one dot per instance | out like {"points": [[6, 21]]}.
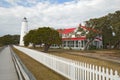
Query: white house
{"points": [[74, 39]]}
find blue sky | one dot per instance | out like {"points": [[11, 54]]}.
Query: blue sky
{"points": [[26, 3], [58, 14], [62, 1], [4, 4]]}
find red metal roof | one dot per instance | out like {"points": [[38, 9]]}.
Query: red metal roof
{"points": [[69, 30], [80, 38], [66, 31]]}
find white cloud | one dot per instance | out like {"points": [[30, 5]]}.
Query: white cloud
{"points": [[65, 15]]}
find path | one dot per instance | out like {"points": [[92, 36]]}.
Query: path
{"points": [[99, 56], [7, 69]]}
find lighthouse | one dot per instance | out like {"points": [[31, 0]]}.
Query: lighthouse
{"points": [[24, 29]]}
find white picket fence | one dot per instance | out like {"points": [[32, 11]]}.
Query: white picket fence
{"points": [[71, 69]]}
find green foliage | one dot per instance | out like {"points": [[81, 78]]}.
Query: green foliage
{"points": [[45, 35], [31, 37], [92, 47], [49, 36], [105, 26], [79, 29], [9, 39]]}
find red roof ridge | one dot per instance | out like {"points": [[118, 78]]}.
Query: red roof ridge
{"points": [[66, 31]]}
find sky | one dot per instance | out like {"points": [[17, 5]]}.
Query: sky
{"points": [[58, 14]]}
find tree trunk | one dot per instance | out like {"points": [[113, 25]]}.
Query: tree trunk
{"points": [[109, 45], [87, 44], [117, 45], [46, 47], [33, 45]]}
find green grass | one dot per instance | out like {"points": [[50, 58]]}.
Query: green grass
{"points": [[38, 70]]}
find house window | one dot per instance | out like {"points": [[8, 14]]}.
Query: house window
{"points": [[69, 44], [64, 43], [82, 43], [72, 43], [76, 43]]}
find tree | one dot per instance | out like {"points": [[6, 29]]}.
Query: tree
{"points": [[31, 37], [105, 26], [49, 36], [94, 29], [9, 39], [45, 35], [115, 25], [15, 39]]}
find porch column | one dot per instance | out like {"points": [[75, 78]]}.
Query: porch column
{"points": [[74, 44], [83, 43], [66, 43]]}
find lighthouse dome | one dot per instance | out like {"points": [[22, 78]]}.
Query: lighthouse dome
{"points": [[24, 19]]}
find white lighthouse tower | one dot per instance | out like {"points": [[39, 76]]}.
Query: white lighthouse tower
{"points": [[24, 29]]}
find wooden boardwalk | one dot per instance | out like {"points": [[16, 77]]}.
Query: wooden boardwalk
{"points": [[7, 69]]}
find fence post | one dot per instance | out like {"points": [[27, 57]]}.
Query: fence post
{"points": [[103, 73], [107, 74], [96, 72], [78, 64], [93, 72], [72, 70], [80, 70], [117, 77], [111, 74], [99, 73], [85, 72], [90, 72], [88, 75]]}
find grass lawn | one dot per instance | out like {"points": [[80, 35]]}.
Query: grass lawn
{"points": [[38, 70], [89, 60]]}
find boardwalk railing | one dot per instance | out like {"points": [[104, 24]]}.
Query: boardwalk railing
{"points": [[73, 70], [22, 71]]}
